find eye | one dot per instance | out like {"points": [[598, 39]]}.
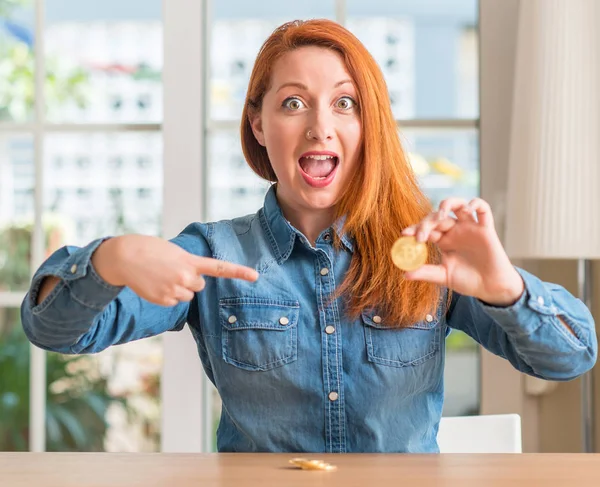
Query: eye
{"points": [[293, 104], [345, 103]]}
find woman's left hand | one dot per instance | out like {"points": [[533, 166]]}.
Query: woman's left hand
{"points": [[474, 262]]}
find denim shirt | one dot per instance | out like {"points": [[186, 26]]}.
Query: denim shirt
{"points": [[294, 374]]}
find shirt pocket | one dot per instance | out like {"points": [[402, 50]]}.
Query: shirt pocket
{"points": [[401, 347], [259, 333]]}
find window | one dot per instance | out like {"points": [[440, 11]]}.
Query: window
{"points": [[81, 141], [80, 158]]}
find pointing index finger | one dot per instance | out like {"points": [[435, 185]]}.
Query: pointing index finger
{"points": [[220, 268]]}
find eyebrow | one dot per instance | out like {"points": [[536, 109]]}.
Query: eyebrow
{"points": [[305, 88]]}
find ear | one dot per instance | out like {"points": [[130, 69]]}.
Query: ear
{"points": [[256, 124]]}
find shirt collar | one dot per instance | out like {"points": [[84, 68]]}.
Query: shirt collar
{"points": [[282, 234]]}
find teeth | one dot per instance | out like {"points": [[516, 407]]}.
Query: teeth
{"points": [[320, 158]]}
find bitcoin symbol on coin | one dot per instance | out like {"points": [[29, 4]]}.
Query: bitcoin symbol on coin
{"points": [[408, 254]]}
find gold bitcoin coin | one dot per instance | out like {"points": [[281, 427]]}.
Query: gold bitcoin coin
{"points": [[408, 254], [306, 464]]}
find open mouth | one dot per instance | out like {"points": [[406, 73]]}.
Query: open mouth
{"points": [[319, 167]]}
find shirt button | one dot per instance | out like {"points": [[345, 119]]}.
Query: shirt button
{"points": [[283, 320], [232, 319], [333, 396], [324, 271], [330, 329], [327, 237], [429, 318], [540, 301], [377, 319], [73, 268]]}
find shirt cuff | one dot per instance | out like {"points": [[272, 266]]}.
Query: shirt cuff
{"points": [[78, 274]]}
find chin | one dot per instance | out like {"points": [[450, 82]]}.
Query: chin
{"points": [[321, 201]]}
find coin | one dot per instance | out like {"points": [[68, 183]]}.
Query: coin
{"points": [[306, 464], [408, 254]]}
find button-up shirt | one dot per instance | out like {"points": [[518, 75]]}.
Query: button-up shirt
{"points": [[293, 372]]}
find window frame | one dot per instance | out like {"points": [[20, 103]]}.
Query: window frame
{"points": [[38, 128]]}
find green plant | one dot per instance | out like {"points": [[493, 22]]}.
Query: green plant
{"points": [[7, 7], [77, 401], [77, 393], [17, 86], [17, 75]]}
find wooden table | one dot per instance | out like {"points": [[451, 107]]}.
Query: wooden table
{"points": [[266, 470]]}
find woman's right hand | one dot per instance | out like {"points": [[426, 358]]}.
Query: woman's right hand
{"points": [[160, 271]]}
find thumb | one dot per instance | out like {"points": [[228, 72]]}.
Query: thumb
{"points": [[435, 274]]}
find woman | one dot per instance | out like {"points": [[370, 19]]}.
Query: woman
{"points": [[332, 348]]}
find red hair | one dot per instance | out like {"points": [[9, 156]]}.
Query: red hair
{"points": [[383, 196]]}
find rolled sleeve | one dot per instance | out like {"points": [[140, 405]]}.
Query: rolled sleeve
{"points": [[76, 273], [543, 303], [531, 333]]}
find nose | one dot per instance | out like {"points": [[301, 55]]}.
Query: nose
{"points": [[320, 127]]}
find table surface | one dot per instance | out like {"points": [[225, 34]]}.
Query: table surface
{"points": [[269, 469]]}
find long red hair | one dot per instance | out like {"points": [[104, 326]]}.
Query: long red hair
{"points": [[383, 196]]}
